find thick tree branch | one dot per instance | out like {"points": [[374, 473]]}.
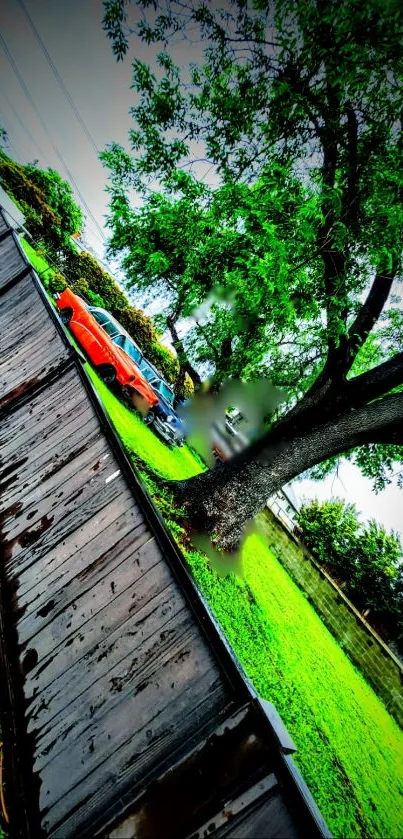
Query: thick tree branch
{"points": [[270, 463], [369, 313], [184, 364], [376, 382], [351, 208]]}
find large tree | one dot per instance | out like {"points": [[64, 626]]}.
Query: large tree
{"points": [[313, 88], [232, 245]]}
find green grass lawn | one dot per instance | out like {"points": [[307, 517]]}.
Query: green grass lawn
{"points": [[165, 462], [40, 264], [350, 750]]}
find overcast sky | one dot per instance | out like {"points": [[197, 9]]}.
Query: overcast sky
{"points": [[98, 85], [100, 88]]}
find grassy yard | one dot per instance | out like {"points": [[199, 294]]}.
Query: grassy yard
{"points": [[164, 461], [350, 750]]}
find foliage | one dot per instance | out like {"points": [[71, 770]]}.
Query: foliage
{"points": [[137, 324], [59, 196], [45, 199], [349, 748], [296, 110], [79, 266], [235, 244], [365, 558], [56, 283]]}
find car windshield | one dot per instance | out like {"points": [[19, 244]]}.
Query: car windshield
{"points": [[128, 346], [99, 316]]}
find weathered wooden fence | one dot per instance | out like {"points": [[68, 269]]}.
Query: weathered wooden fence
{"points": [[124, 713]]}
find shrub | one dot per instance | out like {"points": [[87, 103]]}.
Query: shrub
{"points": [[84, 266], [56, 283], [137, 324], [164, 360], [365, 558]]}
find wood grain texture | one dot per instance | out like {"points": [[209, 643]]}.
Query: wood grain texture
{"points": [[116, 670], [30, 345], [11, 260], [3, 223], [270, 819]]}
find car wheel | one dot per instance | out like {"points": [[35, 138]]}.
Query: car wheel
{"points": [[66, 315], [107, 373]]}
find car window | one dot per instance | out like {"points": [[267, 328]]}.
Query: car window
{"points": [[110, 328], [99, 316], [107, 324], [165, 391], [147, 371], [128, 346]]}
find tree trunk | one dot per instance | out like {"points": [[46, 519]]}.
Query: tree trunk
{"points": [[184, 364], [222, 501]]}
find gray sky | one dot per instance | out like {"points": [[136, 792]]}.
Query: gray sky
{"points": [[100, 88]]}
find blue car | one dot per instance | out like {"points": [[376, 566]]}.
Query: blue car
{"points": [[163, 416]]}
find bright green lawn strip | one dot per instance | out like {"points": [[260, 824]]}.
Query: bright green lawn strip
{"points": [[166, 462], [40, 264], [349, 748]]}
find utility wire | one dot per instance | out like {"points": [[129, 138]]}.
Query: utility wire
{"points": [[24, 127], [44, 126], [58, 77], [6, 144]]}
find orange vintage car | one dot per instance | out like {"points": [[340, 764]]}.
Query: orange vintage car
{"points": [[112, 364]]}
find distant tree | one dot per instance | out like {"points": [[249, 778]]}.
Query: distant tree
{"points": [[59, 196], [46, 200], [312, 88], [364, 558], [81, 265], [330, 531], [377, 559]]}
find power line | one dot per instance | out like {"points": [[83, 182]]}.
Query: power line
{"points": [[58, 77], [6, 144], [44, 126], [24, 127]]}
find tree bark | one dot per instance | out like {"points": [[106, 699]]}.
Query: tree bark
{"points": [[222, 501], [184, 364]]}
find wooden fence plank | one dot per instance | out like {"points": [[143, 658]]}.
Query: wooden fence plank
{"points": [[11, 260]]}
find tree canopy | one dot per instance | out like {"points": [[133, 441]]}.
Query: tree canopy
{"points": [[46, 200], [298, 109], [364, 558]]}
